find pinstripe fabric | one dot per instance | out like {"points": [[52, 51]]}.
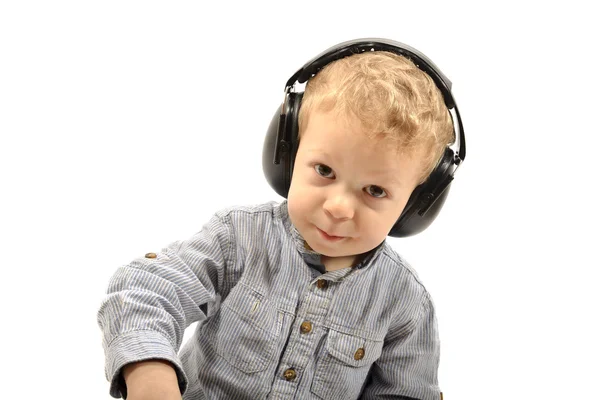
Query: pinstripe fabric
{"points": [[246, 277]]}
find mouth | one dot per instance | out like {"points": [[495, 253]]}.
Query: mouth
{"points": [[329, 237]]}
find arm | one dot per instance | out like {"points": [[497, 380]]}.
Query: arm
{"points": [[151, 380], [409, 362], [152, 300]]}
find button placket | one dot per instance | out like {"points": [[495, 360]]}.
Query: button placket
{"points": [[309, 316]]}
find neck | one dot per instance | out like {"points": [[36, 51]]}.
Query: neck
{"points": [[336, 263]]}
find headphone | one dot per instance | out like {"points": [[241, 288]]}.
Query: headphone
{"points": [[281, 142]]}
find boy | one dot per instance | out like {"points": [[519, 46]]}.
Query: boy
{"points": [[302, 299]]}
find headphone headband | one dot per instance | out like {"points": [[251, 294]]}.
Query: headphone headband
{"points": [[422, 62]]}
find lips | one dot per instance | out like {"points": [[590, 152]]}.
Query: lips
{"points": [[328, 236]]}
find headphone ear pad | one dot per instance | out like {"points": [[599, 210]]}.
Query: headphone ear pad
{"points": [[279, 175], [413, 220]]}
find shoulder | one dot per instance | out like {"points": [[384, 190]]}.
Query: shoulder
{"points": [[405, 290], [270, 207], [400, 279], [255, 221], [247, 214], [397, 266]]}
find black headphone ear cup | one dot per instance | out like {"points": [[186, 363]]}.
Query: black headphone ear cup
{"points": [[281, 142], [274, 173], [426, 200]]}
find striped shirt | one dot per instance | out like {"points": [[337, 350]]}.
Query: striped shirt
{"points": [[272, 322]]}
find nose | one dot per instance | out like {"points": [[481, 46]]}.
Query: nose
{"points": [[339, 206]]}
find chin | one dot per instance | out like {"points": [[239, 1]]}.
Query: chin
{"points": [[329, 253], [331, 250]]}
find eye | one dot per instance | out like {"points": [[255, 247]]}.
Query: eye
{"points": [[324, 171], [376, 191]]}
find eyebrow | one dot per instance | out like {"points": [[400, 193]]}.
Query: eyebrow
{"points": [[323, 152], [391, 178]]}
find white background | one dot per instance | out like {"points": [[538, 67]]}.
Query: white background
{"points": [[125, 125]]}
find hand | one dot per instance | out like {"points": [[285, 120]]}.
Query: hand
{"points": [[151, 380]]}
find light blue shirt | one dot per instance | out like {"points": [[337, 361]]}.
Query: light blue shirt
{"points": [[270, 324]]}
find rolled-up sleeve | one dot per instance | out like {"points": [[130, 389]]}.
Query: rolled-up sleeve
{"points": [[152, 300], [408, 366]]}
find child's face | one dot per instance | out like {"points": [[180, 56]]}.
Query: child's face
{"points": [[347, 189]]}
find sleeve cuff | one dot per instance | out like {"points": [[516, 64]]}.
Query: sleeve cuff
{"points": [[139, 346]]}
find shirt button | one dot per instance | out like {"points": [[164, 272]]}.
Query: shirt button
{"points": [[150, 255], [322, 284], [289, 374], [360, 353], [306, 327]]}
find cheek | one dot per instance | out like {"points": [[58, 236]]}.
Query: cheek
{"points": [[296, 203], [301, 193], [292, 205], [378, 226], [377, 230]]}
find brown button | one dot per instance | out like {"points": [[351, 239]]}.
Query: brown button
{"points": [[306, 327], [360, 353], [289, 374], [150, 255], [322, 284]]}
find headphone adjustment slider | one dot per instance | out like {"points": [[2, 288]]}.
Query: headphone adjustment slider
{"points": [[284, 146]]}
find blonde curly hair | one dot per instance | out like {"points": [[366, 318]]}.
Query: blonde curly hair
{"points": [[392, 98]]}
